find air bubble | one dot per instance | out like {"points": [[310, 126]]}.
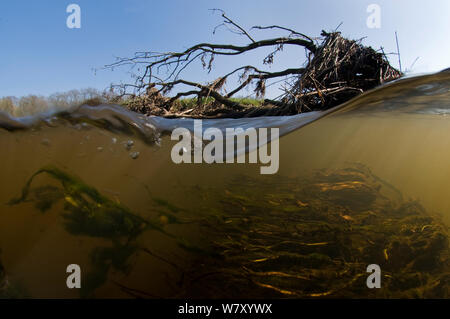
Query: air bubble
{"points": [[129, 144], [134, 155]]}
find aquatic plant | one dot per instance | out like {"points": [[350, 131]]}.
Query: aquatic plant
{"points": [[309, 237], [314, 237], [90, 213]]}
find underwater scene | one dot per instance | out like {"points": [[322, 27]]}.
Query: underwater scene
{"points": [[364, 183]]}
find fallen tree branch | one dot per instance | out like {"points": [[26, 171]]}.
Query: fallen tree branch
{"points": [[336, 70]]}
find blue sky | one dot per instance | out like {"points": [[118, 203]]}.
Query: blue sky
{"points": [[40, 55]]}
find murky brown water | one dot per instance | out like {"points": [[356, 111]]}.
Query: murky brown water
{"points": [[158, 242]]}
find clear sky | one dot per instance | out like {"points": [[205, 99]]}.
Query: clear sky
{"points": [[40, 55]]}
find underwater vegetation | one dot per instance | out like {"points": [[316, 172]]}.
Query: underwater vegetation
{"points": [[314, 237], [265, 236], [88, 212]]}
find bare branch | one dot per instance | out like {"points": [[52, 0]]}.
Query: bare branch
{"points": [[229, 21], [293, 32]]}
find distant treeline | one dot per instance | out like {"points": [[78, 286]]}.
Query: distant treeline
{"points": [[33, 104]]}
